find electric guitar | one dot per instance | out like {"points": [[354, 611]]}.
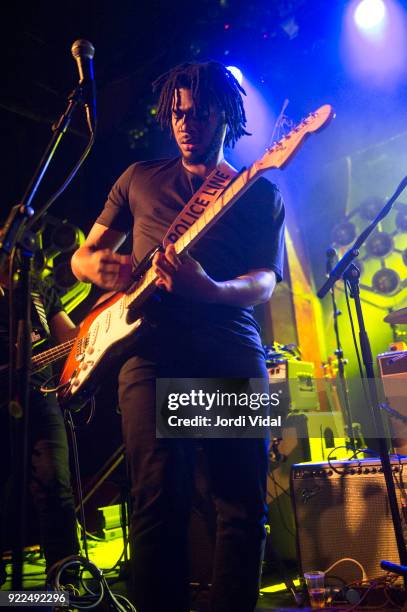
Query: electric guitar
{"points": [[116, 323]]}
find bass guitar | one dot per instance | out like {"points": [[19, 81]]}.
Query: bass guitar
{"points": [[44, 359]]}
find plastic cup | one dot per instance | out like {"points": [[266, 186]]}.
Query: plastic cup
{"points": [[315, 581]]}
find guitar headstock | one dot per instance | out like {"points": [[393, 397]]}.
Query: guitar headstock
{"points": [[281, 152]]}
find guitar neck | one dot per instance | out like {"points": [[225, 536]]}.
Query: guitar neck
{"points": [[51, 355], [196, 231], [218, 208]]}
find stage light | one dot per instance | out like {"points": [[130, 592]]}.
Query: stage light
{"points": [[370, 14], [386, 281], [66, 237], [343, 233], [371, 207], [63, 276], [374, 41], [237, 73], [379, 244]]}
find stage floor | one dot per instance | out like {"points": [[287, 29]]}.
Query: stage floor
{"points": [[105, 555]]}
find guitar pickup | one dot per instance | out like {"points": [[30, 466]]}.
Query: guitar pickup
{"points": [[94, 334]]}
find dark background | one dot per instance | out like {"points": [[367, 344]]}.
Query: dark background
{"points": [[137, 41]]}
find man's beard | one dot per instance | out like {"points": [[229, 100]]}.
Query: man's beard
{"points": [[210, 152]]}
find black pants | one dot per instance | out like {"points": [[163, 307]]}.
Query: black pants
{"points": [[49, 480], [162, 480]]}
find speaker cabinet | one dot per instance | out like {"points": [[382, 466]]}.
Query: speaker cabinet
{"points": [[342, 511], [305, 437], [393, 372]]}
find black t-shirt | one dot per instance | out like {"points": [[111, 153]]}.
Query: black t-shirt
{"points": [[147, 198]]}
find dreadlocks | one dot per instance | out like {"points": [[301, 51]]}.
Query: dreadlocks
{"points": [[210, 83]]}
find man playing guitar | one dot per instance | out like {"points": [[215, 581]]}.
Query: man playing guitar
{"points": [[203, 326]]}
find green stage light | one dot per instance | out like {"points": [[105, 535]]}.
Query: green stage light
{"points": [[386, 281]]}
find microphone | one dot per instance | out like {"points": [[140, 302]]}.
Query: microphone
{"points": [[83, 52], [331, 260]]}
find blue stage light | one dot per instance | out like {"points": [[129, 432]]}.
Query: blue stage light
{"points": [[237, 73], [370, 14]]}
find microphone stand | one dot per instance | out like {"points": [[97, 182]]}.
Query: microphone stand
{"points": [[341, 371], [346, 269], [13, 239]]}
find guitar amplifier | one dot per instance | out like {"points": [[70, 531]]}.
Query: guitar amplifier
{"points": [[393, 372], [309, 436], [342, 512], [297, 381]]}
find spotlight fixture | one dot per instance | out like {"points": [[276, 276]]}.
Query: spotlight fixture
{"points": [[385, 281], [370, 208], [384, 254], [65, 237], [370, 14], [63, 276], [343, 233], [379, 244]]}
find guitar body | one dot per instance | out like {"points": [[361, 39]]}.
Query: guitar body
{"points": [[104, 334]]}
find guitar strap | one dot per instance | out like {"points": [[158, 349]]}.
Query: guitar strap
{"points": [[213, 186], [39, 306]]}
